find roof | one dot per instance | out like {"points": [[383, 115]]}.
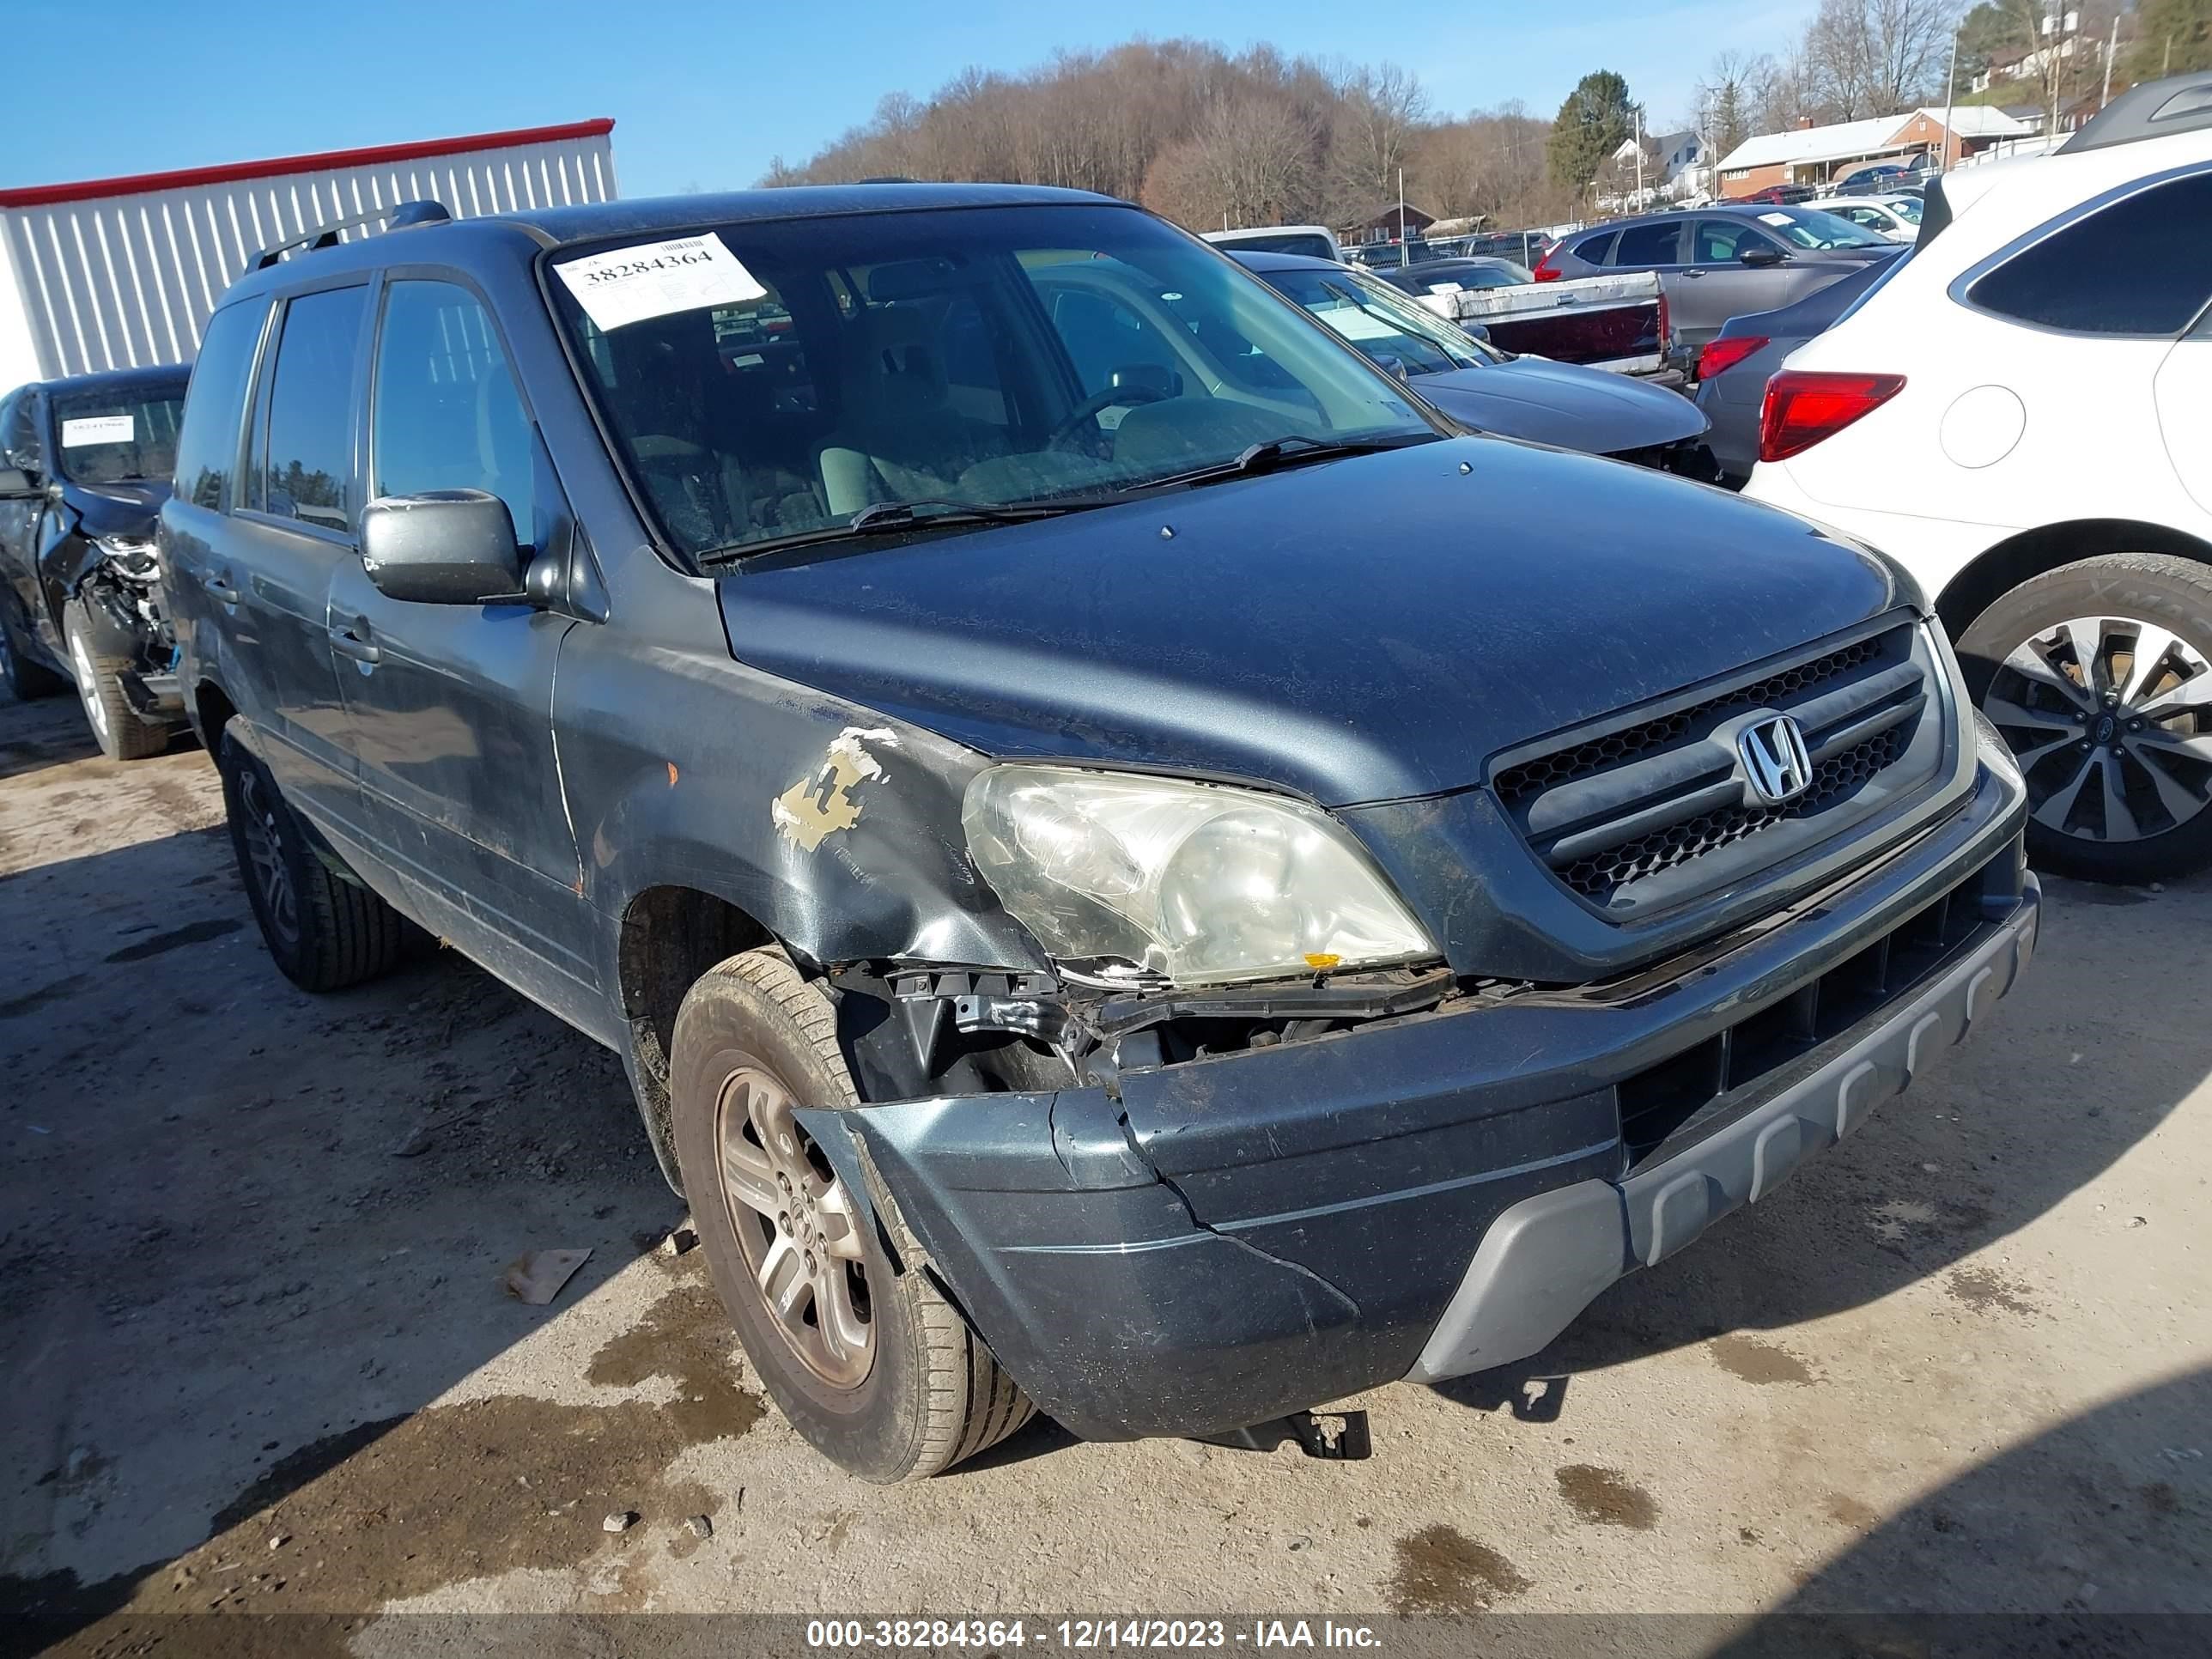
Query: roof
{"points": [[117, 380], [1265, 262], [554, 227], [1846, 139], [329, 161]]}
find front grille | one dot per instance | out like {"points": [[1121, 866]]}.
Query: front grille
{"points": [[1596, 878], [1666, 1106], [1635, 813], [1517, 781]]}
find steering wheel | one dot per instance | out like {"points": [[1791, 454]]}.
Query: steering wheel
{"points": [[1098, 402]]}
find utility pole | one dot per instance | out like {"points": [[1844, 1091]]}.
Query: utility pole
{"points": [[1950, 95], [1639, 158], [1404, 249], [2111, 51]]}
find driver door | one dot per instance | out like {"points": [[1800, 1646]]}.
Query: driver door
{"points": [[1718, 285]]}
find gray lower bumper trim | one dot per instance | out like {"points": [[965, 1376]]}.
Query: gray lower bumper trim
{"points": [[1548, 1258]]}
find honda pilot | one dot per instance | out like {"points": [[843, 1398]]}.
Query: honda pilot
{"points": [[1137, 870]]}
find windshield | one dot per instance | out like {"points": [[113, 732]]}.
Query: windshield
{"points": [[1381, 321], [770, 379], [1810, 229], [117, 435], [1906, 207]]}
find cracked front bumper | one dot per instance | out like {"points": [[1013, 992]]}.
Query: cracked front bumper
{"points": [[1238, 1237]]}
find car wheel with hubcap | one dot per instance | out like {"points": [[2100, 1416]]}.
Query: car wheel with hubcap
{"points": [[324, 931], [2098, 674], [855, 1343], [115, 725]]}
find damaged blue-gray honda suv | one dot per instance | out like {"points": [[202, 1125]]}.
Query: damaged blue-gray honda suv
{"points": [[1137, 869]]}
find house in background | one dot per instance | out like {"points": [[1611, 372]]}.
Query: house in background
{"points": [[1676, 169], [1390, 223], [1820, 155]]}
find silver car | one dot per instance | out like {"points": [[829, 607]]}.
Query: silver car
{"points": [[1721, 262]]}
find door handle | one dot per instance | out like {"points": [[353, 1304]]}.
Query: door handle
{"points": [[348, 643], [1694, 273], [219, 590]]}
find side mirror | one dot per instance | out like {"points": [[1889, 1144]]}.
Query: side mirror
{"points": [[442, 547], [1480, 330], [1389, 365], [1761, 256], [1153, 382], [16, 483]]}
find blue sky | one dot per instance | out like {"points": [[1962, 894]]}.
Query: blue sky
{"points": [[703, 94]]}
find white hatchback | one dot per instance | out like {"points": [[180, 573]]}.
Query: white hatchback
{"points": [[2021, 413]]}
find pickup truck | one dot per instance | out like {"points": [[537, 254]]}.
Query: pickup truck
{"points": [[1617, 323], [1164, 888]]}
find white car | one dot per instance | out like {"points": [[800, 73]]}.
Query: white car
{"points": [[2020, 413], [1882, 217]]}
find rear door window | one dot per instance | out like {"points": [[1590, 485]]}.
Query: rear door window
{"points": [[1642, 246], [2141, 266], [306, 470], [447, 413], [208, 443]]}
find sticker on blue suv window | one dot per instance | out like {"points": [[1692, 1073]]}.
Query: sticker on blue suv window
{"points": [[656, 279]]}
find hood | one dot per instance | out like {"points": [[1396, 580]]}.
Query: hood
{"points": [[119, 509], [1362, 629], [1562, 403]]}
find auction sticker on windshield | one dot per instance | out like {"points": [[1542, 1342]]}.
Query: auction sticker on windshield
{"points": [[655, 279], [98, 429]]}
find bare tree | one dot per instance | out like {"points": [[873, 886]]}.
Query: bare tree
{"points": [[1728, 98], [1378, 112], [1877, 57], [1250, 162]]}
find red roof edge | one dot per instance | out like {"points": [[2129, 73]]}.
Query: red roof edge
{"points": [[327, 161]]}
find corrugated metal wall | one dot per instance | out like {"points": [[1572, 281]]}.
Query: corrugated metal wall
{"points": [[121, 282]]}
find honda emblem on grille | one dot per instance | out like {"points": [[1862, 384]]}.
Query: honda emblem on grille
{"points": [[1774, 759]]}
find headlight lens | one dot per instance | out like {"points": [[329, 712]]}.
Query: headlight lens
{"points": [[1198, 882]]}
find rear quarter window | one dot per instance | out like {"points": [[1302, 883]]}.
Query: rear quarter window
{"points": [[1593, 249], [214, 404], [2141, 266]]}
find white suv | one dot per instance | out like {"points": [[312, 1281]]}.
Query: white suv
{"points": [[2021, 413]]}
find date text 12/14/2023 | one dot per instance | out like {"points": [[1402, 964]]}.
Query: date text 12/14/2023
{"points": [[1082, 1635]]}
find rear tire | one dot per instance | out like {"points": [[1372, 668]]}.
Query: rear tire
{"points": [[122, 736], [26, 680], [908, 1390], [2099, 676], [324, 932]]}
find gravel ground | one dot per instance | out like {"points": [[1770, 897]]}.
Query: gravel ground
{"points": [[259, 1358]]}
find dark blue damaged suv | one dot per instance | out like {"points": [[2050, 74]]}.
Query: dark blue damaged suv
{"points": [[1138, 870]]}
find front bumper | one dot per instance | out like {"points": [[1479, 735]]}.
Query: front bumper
{"points": [[1229, 1239]]}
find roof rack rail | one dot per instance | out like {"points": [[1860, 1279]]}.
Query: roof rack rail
{"points": [[2179, 103], [396, 218]]}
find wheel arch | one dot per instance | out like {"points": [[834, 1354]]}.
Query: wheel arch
{"points": [[668, 935], [1998, 570]]}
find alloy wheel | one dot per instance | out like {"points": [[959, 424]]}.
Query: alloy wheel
{"points": [[264, 854], [2111, 719], [88, 686], [798, 1227]]}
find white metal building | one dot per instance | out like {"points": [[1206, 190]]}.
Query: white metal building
{"points": [[120, 273]]}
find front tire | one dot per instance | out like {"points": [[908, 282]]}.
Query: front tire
{"points": [[2099, 676], [122, 736], [869, 1362], [324, 932], [25, 680]]}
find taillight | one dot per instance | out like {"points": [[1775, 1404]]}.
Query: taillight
{"points": [[1545, 271], [1803, 406], [1722, 355]]}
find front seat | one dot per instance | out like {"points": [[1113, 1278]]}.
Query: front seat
{"points": [[898, 437]]}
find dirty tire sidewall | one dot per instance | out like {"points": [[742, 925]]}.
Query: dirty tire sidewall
{"points": [[932, 1394], [115, 724], [344, 933], [2176, 593]]}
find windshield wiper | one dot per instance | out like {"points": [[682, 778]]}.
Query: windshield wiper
{"points": [[889, 518], [1265, 456]]}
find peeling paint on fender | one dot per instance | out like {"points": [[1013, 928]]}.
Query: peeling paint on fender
{"points": [[817, 806]]}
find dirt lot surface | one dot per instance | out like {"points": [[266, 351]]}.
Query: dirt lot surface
{"points": [[257, 1355]]}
